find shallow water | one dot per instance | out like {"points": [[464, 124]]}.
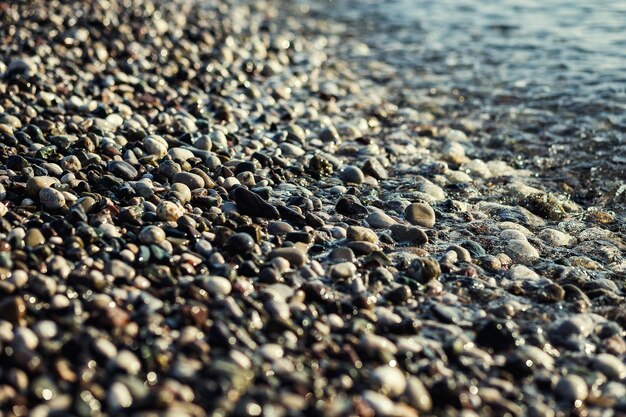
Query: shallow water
{"points": [[545, 81]]}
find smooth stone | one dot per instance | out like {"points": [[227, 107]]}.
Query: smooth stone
{"points": [[390, 380], [293, 255], [279, 228], [51, 199], [25, 337], [180, 154], [379, 220], [342, 254], [218, 285], [155, 145], [119, 269], [35, 184], [151, 234], [119, 396], [352, 175], [361, 234], [240, 243], [193, 181], [578, 325], [203, 143], [521, 252], [128, 362], [342, 270], [183, 191], [381, 405], [123, 170], [13, 309], [418, 396], [610, 365], [409, 234], [572, 388], [556, 238], [271, 351], [420, 214], [34, 237], [253, 205]]}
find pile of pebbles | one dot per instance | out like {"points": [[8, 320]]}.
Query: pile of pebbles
{"points": [[214, 209]]}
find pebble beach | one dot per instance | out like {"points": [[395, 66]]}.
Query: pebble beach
{"points": [[266, 208]]}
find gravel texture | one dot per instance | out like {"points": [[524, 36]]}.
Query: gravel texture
{"points": [[218, 208]]}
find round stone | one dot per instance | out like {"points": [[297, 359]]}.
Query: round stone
{"points": [[420, 214], [240, 243], [572, 388], [182, 191], [169, 211], [352, 175], [151, 234]]}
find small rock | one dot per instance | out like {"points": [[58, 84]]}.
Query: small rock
{"points": [[218, 285], [390, 380], [375, 169], [420, 214], [418, 396], [151, 234], [119, 396], [119, 269], [123, 170], [409, 234], [240, 243], [342, 270], [34, 237], [155, 145], [352, 175], [169, 211], [572, 388], [521, 252], [610, 365], [252, 204], [293, 255], [361, 234], [51, 199], [379, 220], [193, 181], [36, 184]]}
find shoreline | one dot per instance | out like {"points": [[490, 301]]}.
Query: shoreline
{"points": [[237, 212]]}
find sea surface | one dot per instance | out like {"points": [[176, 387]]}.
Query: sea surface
{"points": [[544, 80]]}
